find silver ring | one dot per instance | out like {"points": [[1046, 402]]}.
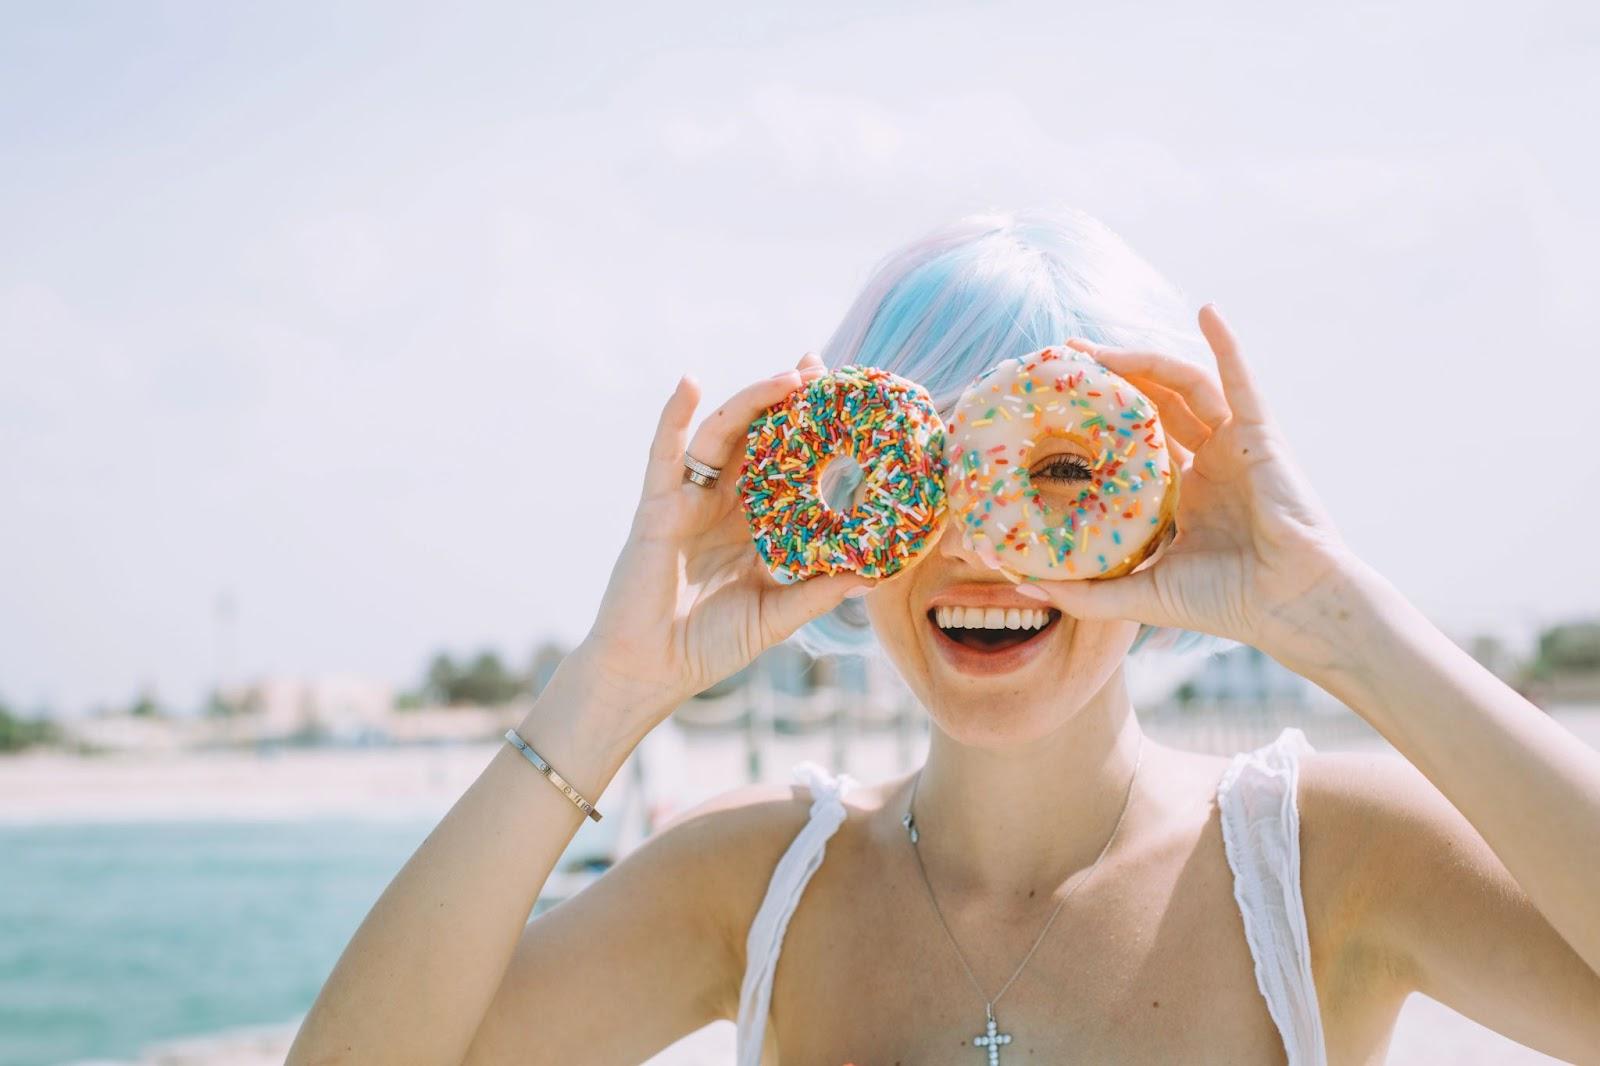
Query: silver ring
{"points": [[699, 473]]}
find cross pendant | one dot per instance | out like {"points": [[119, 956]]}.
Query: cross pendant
{"points": [[992, 1040]]}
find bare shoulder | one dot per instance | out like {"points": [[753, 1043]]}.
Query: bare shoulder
{"points": [[1364, 817], [1345, 795], [739, 835], [1412, 898], [752, 825], [1354, 805], [1383, 836], [663, 930], [739, 831], [1389, 858]]}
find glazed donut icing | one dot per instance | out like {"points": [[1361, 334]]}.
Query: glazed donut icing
{"points": [[892, 430], [1121, 493]]}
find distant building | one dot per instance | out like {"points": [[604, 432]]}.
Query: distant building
{"points": [[121, 731], [1246, 675], [333, 706]]}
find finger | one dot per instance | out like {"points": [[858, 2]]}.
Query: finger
{"points": [[665, 467], [1180, 423], [720, 437], [1131, 596], [792, 606], [1182, 458], [1238, 383], [1198, 386], [811, 366]]}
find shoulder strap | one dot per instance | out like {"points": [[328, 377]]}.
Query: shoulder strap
{"points": [[783, 893], [1257, 798]]}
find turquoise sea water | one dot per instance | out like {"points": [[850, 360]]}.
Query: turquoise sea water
{"points": [[113, 936]]}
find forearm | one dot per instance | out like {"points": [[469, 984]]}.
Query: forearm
{"points": [[1527, 784], [416, 979]]}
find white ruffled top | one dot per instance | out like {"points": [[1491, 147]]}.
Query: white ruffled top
{"points": [[1258, 802]]}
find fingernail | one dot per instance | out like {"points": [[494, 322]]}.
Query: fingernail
{"points": [[1033, 592], [858, 592]]}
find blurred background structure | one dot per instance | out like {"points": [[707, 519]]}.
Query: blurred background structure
{"points": [[297, 304]]}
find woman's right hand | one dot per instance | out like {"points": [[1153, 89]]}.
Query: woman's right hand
{"points": [[689, 601]]}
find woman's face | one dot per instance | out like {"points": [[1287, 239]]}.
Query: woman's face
{"points": [[987, 686]]}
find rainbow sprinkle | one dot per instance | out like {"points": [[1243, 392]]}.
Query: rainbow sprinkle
{"points": [[890, 427], [992, 496]]}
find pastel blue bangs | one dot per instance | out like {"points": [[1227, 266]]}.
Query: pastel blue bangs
{"points": [[990, 287]]}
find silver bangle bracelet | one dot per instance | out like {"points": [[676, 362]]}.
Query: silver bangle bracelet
{"points": [[550, 772]]}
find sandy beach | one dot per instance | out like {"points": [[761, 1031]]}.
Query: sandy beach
{"points": [[682, 765], [357, 782]]}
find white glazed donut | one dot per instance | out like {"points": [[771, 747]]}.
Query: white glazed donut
{"points": [[1059, 469]]}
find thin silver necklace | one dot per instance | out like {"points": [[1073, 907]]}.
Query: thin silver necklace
{"points": [[992, 1039]]}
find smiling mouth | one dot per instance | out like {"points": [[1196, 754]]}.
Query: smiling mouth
{"points": [[992, 628]]}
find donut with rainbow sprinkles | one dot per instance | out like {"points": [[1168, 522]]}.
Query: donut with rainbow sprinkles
{"points": [[891, 429], [1113, 494]]}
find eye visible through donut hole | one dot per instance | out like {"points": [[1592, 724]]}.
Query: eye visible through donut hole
{"points": [[1067, 467], [1059, 461], [1061, 470], [840, 483]]}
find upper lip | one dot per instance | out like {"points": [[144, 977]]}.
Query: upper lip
{"points": [[984, 594]]}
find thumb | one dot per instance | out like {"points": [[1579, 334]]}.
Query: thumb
{"points": [[789, 607], [1131, 596]]}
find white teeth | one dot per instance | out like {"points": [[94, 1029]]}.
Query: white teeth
{"points": [[991, 617]]}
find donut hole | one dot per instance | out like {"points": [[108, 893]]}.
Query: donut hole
{"points": [[841, 483], [1060, 495]]}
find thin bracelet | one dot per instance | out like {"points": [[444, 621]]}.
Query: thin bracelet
{"points": [[550, 772]]}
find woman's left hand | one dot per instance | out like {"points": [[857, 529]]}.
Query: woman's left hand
{"points": [[1252, 538]]}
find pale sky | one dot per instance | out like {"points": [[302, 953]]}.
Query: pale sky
{"points": [[362, 317]]}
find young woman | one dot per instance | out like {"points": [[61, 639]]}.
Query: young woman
{"points": [[1050, 886]]}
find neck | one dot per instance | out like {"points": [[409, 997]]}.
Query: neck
{"points": [[1010, 822]]}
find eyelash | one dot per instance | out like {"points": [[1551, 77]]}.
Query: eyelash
{"points": [[1065, 467]]}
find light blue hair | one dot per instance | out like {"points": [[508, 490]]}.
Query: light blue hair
{"points": [[989, 287]]}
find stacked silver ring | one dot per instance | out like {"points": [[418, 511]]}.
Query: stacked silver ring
{"points": [[700, 473]]}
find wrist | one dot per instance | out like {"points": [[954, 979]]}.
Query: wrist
{"points": [[1324, 629], [611, 692], [574, 727]]}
